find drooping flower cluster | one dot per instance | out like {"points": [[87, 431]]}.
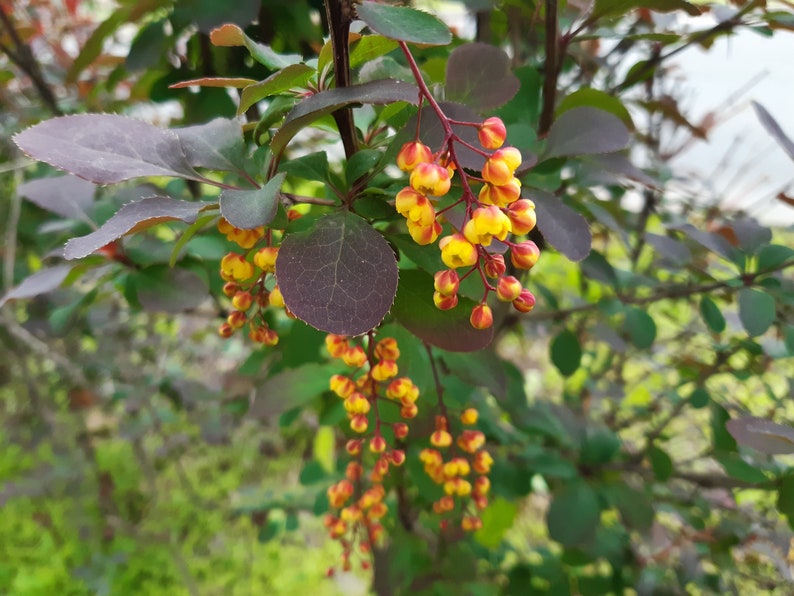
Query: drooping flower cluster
{"points": [[460, 466], [357, 501], [250, 285], [490, 220]]}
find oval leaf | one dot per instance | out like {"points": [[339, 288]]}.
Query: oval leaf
{"points": [[712, 315], [404, 24], [756, 310], [586, 130], [446, 329], [339, 276], [574, 514], [105, 148], [566, 353], [41, 282], [562, 227], [133, 216], [762, 435], [249, 209], [325, 102], [478, 75], [640, 327]]}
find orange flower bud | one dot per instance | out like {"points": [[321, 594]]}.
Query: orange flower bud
{"points": [[354, 356], [525, 254], [359, 423], [341, 385], [356, 403], [225, 330], [276, 299], [494, 266], [424, 235], [242, 301], [353, 446], [270, 338], [470, 523], [445, 302], [412, 154], [469, 416], [354, 471], [525, 301], [502, 195], [336, 344], [500, 167], [456, 251], [234, 267], [492, 133], [446, 282], [230, 289], [265, 258], [387, 349], [481, 486], [400, 430], [470, 441], [485, 224], [377, 444], [482, 462], [522, 215], [481, 317], [398, 388], [441, 438], [508, 288], [430, 179], [383, 370], [236, 319], [397, 457], [409, 411]]}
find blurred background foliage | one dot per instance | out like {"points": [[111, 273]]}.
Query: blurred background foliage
{"points": [[142, 454]]}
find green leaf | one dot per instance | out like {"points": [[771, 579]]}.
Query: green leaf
{"points": [[368, 48], [339, 276], [294, 75], [230, 35], [446, 329], [486, 370], [574, 514], [497, 519], [640, 327], [595, 98], [661, 464], [699, 398], [249, 209], [585, 130], [785, 498], [566, 353], [404, 24], [605, 8], [635, 507], [737, 468], [313, 166], [326, 102], [772, 256], [185, 237], [362, 162], [479, 75], [712, 316], [324, 448], [599, 447], [756, 311], [291, 388], [722, 439]]}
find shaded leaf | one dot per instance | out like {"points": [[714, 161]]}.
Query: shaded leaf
{"points": [[773, 256], [217, 145], [67, 196], [712, 315], [618, 7], [291, 388], [722, 439], [595, 266], [669, 249], [230, 35], [487, 370], [207, 14], [574, 514], [750, 235], [43, 281], [163, 289], [479, 75], [339, 276], [105, 148], [756, 310], [635, 507], [714, 242], [619, 164], [586, 130], [326, 102], [661, 463], [595, 98], [566, 353], [773, 128], [640, 327], [737, 468], [497, 519], [134, 217], [249, 209], [404, 24], [562, 227], [294, 75], [785, 498], [313, 166], [762, 435], [446, 329]]}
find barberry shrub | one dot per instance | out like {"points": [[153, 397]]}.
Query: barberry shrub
{"points": [[389, 290]]}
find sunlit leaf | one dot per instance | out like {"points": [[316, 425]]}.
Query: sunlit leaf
{"points": [[236, 83], [230, 35], [479, 76], [762, 435], [249, 209], [294, 75], [339, 276], [134, 217], [497, 519], [403, 23], [105, 148]]}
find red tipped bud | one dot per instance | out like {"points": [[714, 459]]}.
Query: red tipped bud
{"points": [[481, 317], [447, 282], [522, 215], [412, 154], [508, 288], [400, 430], [525, 301], [495, 266], [525, 254], [492, 133]]}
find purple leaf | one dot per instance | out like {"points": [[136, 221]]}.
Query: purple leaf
{"points": [[478, 75], [217, 145], [762, 435], [325, 102], [562, 227], [249, 209], [714, 242], [339, 276], [772, 127], [134, 217], [67, 196], [41, 282], [446, 329], [105, 148], [586, 130], [669, 249], [431, 132]]}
